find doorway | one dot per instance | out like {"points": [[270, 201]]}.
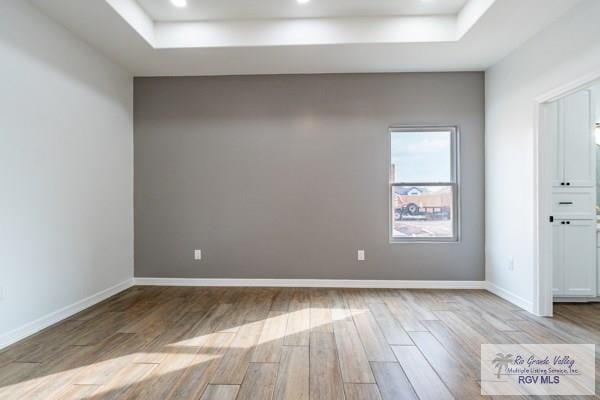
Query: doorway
{"points": [[552, 180]]}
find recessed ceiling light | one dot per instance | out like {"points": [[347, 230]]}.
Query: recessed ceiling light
{"points": [[303, 1], [179, 3]]}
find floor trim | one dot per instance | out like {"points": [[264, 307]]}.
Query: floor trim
{"points": [[576, 299], [328, 283], [41, 323], [509, 296]]}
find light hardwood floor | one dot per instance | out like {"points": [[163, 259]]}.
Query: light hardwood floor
{"points": [[279, 343]]}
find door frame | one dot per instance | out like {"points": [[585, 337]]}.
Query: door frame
{"points": [[543, 149]]}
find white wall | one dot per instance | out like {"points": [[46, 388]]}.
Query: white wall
{"points": [[66, 170], [563, 52]]}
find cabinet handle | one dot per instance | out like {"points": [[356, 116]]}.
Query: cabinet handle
{"points": [[562, 222], [568, 222], [565, 202], [562, 184], [568, 183]]}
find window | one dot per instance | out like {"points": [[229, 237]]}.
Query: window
{"points": [[423, 184]]}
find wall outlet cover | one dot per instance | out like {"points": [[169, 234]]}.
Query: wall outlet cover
{"points": [[360, 256], [197, 254]]}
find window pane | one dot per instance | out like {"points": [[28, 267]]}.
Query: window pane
{"points": [[422, 212], [421, 156]]}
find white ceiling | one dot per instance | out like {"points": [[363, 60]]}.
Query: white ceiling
{"points": [[482, 33], [198, 10]]}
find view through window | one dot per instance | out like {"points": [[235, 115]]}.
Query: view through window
{"points": [[423, 184]]}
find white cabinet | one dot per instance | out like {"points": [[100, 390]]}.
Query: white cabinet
{"points": [[569, 120], [550, 125], [574, 257], [574, 204]]}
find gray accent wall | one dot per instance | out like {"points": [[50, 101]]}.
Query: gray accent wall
{"points": [[287, 176]]}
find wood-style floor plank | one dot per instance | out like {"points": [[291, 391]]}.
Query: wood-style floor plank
{"points": [[259, 305], [110, 361], [259, 383], [325, 374], [320, 318], [422, 312], [423, 378], [166, 375], [121, 384], [462, 382], [220, 392], [374, 343], [234, 363], [354, 362], [281, 300], [45, 345], [202, 368], [392, 381], [468, 335], [361, 391], [298, 325], [293, 375], [407, 317], [11, 377], [392, 328], [270, 342], [69, 364], [76, 392], [452, 344]]}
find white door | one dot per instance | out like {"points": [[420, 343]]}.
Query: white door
{"points": [[577, 139], [578, 250]]}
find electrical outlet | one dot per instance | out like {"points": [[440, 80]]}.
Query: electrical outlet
{"points": [[360, 255], [197, 254]]}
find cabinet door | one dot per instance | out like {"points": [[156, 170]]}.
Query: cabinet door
{"points": [[549, 123], [558, 259], [579, 261], [577, 138]]}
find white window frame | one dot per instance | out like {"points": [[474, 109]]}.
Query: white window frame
{"points": [[454, 183]]}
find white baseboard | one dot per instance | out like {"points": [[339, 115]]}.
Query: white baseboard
{"points": [[326, 283], [37, 325], [576, 299], [510, 297]]}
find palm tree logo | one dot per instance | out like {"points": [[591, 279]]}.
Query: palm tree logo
{"points": [[502, 361]]}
